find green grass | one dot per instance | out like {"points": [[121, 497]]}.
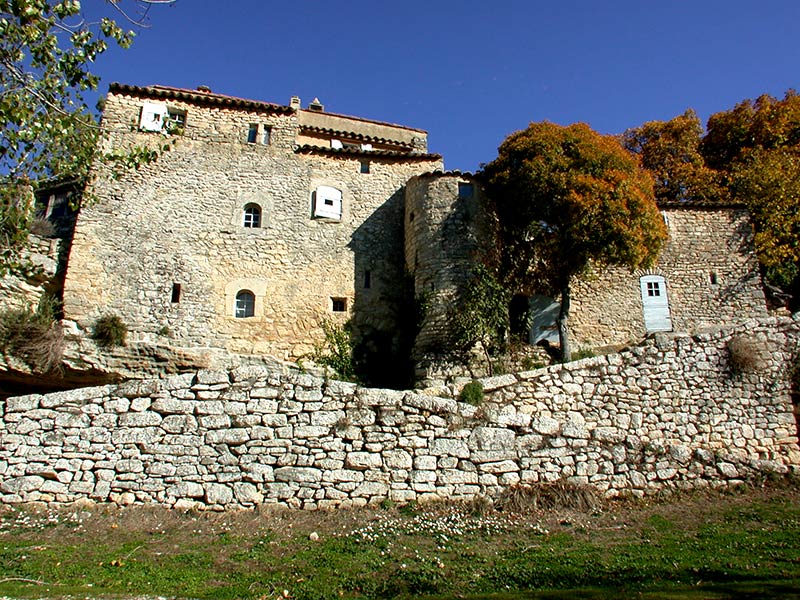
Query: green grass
{"points": [[729, 546]]}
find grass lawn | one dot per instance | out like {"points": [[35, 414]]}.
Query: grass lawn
{"points": [[714, 545]]}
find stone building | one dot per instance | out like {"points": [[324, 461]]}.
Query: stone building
{"points": [[263, 220], [707, 275], [258, 223]]}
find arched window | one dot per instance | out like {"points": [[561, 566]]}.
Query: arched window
{"points": [[245, 304], [252, 215]]}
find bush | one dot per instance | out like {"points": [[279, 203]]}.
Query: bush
{"points": [[747, 354], [36, 338], [109, 330], [472, 393], [336, 351]]}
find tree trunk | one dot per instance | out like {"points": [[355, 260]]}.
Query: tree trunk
{"points": [[563, 326]]}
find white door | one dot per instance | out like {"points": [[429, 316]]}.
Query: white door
{"points": [[655, 303]]}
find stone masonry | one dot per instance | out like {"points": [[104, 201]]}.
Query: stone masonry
{"points": [[168, 248], [676, 412]]}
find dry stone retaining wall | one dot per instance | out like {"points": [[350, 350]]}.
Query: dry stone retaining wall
{"points": [[670, 413]]}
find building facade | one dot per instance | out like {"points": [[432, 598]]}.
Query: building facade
{"points": [[257, 224]]}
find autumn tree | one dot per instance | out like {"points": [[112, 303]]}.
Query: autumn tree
{"points": [[756, 148], [567, 198], [47, 48], [670, 150]]}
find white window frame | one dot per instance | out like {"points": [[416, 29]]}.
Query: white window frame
{"points": [[242, 304], [252, 216]]}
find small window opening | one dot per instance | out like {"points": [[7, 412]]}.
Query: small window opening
{"points": [[653, 289], [465, 190], [411, 217], [367, 280], [266, 136], [252, 215], [245, 304], [252, 134], [339, 304], [176, 120], [365, 166], [713, 277], [176, 293]]}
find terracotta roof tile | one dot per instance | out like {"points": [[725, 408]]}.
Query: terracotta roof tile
{"points": [[354, 136], [309, 149], [197, 97]]}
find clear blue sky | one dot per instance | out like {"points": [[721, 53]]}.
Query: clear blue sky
{"points": [[473, 71]]}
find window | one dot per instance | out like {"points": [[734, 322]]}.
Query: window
{"points": [[339, 304], [712, 276], [176, 120], [653, 288], [365, 166], [327, 202], [252, 134], [465, 190], [245, 304], [266, 136], [176, 293], [367, 280], [252, 215]]}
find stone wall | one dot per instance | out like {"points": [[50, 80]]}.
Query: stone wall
{"points": [[669, 414], [179, 222], [711, 273]]}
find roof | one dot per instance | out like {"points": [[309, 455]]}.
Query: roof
{"points": [[212, 99], [197, 97], [309, 149], [453, 173], [353, 135], [698, 204]]}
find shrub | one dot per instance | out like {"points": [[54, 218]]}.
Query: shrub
{"points": [[336, 351], [36, 338], [109, 330], [472, 393], [747, 354]]}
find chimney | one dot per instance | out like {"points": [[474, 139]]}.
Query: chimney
{"points": [[294, 102], [316, 105], [204, 88]]}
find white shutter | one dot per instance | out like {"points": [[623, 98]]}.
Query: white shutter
{"points": [[337, 144], [328, 202], [655, 303], [153, 117]]}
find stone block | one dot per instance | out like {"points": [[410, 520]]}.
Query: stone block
{"points": [[219, 494], [363, 460]]}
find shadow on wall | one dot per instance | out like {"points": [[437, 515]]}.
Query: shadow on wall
{"points": [[383, 312]]}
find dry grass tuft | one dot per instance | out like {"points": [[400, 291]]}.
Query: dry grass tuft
{"points": [[748, 354], [33, 337], [557, 495]]}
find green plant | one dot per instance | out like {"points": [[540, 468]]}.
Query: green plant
{"points": [[583, 353], [35, 337], [336, 351], [109, 330], [482, 314], [472, 393], [164, 331]]}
